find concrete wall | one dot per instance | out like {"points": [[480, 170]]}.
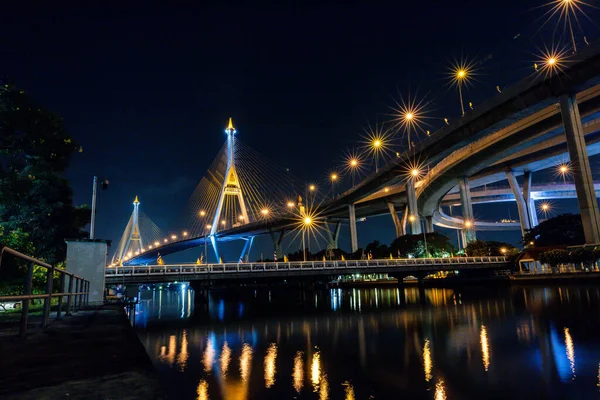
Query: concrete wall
{"points": [[87, 259]]}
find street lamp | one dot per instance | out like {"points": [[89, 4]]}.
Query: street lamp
{"points": [[333, 178], [207, 227], [306, 224]]}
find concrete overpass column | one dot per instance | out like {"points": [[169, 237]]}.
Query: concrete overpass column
{"points": [[352, 222], [582, 173], [397, 223], [277, 241], [521, 204], [531, 211], [404, 218], [429, 224], [246, 250], [413, 212], [332, 238], [467, 210]]}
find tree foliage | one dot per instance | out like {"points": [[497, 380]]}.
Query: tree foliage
{"points": [[34, 197], [480, 248], [562, 230], [438, 245]]}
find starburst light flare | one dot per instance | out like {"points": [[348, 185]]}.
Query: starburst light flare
{"points": [[354, 164], [551, 60], [376, 143], [410, 117], [567, 13], [461, 74]]}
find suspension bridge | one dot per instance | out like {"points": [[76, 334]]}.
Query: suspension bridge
{"points": [[523, 129]]}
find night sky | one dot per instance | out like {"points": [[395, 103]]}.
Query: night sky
{"points": [[147, 91]]}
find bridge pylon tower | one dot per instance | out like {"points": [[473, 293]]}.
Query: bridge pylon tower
{"points": [[133, 239], [231, 188]]}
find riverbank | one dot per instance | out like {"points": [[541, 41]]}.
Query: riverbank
{"points": [[524, 279], [93, 354]]}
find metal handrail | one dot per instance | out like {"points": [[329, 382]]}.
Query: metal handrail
{"points": [[77, 294], [179, 269]]}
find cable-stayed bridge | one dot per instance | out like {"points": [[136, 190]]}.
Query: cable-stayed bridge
{"points": [[532, 126]]}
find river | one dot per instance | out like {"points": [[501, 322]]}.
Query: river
{"points": [[493, 342]]}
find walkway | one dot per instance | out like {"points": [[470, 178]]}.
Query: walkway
{"points": [[90, 355]]}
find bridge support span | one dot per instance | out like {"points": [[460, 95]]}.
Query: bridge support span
{"points": [[582, 174], [333, 238], [531, 211], [521, 204], [352, 222], [429, 224], [397, 223], [468, 232], [413, 211]]}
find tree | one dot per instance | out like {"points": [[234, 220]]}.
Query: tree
{"points": [[34, 197], [563, 230], [438, 245], [479, 248], [555, 257]]}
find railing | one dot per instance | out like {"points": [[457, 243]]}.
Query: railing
{"points": [[77, 294], [273, 267]]}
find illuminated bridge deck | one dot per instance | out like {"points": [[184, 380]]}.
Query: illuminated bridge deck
{"points": [[214, 272]]}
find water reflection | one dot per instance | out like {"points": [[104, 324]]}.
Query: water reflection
{"points": [[485, 348], [224, 359], [440, 391], [202, 390], [245, 362], [209, 355], [269, 365], [427, 363], [298, 373], [570, 349], [323, 388], [183, 352], [348, 391], [385, 341], [315, 370]]}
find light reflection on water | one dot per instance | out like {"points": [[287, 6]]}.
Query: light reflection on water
{"points": [[375, 343]]}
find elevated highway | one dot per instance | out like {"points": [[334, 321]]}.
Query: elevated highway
{"points": [[525, 128]]}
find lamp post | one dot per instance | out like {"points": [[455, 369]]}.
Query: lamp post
{"points": [[333, 179], [306, 223], [203, 215], [94, 195]]}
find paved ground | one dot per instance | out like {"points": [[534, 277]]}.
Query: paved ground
{"points": [[90, 355]]}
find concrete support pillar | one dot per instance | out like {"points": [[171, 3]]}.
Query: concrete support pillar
{"points": [[463, 238], [246, 250], [87, 258], [521, 204], [404, 219], [531, 211], [429, 224], [332, 237], [413, 211], [396, 219], [582, 173], [213, 241], [467, 210], [277, 238], [352, 222]]}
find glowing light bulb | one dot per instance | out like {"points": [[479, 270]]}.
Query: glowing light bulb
{"points": [[290, 204], [307, 220], [202, 213]]}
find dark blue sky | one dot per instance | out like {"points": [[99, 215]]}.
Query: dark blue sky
{"points": [[147, 90]]}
